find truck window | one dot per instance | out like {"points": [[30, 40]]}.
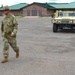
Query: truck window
{"points": [[71, 14], [61, 14]]}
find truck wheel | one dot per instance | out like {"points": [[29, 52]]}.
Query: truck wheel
{"points": [[55, 28]]}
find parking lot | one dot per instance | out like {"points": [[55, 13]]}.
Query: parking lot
{"points": [[42, 52]]}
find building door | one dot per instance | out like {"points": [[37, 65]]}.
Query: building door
{"points": [[40, 12], [28, 12], [34, 12]]}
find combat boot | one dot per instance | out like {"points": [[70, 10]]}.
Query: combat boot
{"points": [[17, 54], [4, 60]]}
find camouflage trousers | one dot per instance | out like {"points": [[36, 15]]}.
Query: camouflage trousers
{"points": [[12, 43]]}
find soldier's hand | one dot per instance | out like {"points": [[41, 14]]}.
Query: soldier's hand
{"points": [[12, 34]]}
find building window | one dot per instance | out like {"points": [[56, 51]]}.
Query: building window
{"points": [[21, 13], [40, 12], [28, 12], [34, 12], [71, 14]]}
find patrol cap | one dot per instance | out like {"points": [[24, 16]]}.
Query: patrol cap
{"points": [[6, 8]]}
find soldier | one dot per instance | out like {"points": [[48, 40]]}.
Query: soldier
{"points": [[9, 28]]}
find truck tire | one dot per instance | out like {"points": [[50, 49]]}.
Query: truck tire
{"points": [[55, 28]]}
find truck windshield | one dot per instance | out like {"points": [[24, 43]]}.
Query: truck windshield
{"points": [[61, 14], [71, 14]]}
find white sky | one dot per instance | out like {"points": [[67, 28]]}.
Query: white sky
{"points": [[12, 2]]}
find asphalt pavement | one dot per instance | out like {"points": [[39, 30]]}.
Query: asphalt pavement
{"points": [[42, 52]]}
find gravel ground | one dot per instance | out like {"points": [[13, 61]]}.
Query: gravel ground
{"points": [[42, 52]]}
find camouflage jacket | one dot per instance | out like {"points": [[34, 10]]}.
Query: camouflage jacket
{"points": [[9, 25]]}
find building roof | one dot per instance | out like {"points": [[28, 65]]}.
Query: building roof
{"points": [[63, 5], [71, 5], [1, 8], [17, 6], [59, 5], [46, 5]]}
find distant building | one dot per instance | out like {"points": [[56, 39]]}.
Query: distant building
{"points": [[39, 9], [16, 9]]}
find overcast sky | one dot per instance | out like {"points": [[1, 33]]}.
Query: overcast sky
{"points": [[12, 2]]}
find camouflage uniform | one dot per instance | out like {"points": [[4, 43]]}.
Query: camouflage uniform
{"points": [[9, 25]]}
